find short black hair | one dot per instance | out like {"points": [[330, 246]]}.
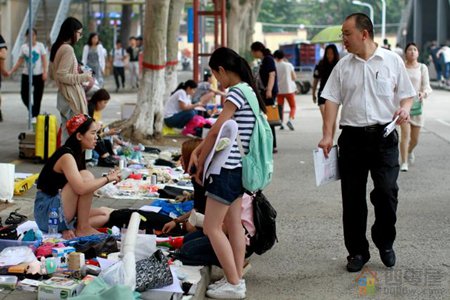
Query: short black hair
{"points": [[278, 54], [362, 22]]}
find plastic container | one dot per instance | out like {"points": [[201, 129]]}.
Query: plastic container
{"points": [[53, 222], [8, 282], [16, 243]]}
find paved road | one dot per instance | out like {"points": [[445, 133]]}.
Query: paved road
{"points": [[309, 260]]}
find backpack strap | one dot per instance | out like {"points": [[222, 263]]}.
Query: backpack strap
{"points": [[250, 97]]}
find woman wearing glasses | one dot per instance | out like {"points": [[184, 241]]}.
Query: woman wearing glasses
{"points": [[64, 183], [71, 98]]}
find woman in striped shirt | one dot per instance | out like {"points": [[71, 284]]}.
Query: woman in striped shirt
{"points": [[224, 191]]}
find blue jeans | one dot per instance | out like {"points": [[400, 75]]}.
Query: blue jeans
{"points": [[197, 250], [42, 207], [179, 120]]}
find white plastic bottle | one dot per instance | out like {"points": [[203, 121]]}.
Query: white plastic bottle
{"points": [[53, 222]]}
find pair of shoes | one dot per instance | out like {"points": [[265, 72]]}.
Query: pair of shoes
{"points": [[228, 291], [108, 161], [404, 167], [411, 158], [356, 262], [289, 124], [281, 126], [15, 218], [388, 257]]}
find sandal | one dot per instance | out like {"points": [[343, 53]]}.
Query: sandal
{"points": [[15, 218]]}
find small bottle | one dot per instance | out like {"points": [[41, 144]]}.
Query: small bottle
{"points": [[53, 222]]}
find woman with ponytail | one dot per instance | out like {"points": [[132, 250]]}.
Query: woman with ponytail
{"points": [[224, 191], [179, 110], [268, 79]]}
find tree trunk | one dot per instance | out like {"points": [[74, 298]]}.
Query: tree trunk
{"points": [[175, 10], [125, 22], [249, 29], [147, 118], [238, 13]]}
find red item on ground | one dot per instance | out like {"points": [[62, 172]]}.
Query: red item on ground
{"points": [[135, 176], [92, 262]]}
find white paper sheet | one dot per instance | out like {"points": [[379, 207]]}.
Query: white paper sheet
{"points": [[150, 208], [326, 169]]}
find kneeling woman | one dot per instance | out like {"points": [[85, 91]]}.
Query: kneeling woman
{"points": [[65, 184], [179, 109]]}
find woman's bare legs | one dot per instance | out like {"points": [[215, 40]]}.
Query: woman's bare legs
{"points": [[99, 216], [236, 234], [415, 132], [404, 141], [79, 206], [212, 226]]}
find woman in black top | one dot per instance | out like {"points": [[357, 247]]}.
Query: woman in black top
{"points": [[65, 184], [268, 77], [322, 72]]}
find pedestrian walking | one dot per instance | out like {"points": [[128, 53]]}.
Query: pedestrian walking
{"points": [[71, 97], [286, 86], [119, 57], [373, 87], [39, 68], [3, 54], [268, 77], [224, 191], [133, 53], [444, 54], [321, 73], [418, 74], [94, 56]]}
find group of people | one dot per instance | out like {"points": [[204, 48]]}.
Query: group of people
{"points": [[373, 85], [440, 56]]}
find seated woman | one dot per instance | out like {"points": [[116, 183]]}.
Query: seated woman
{"points": [[179, 110], [65, 184], [104, 146]]}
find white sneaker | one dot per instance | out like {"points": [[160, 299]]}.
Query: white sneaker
{"points": [[404, 167], [289, 124], [228, 291], [221, 282], [411, 158]]}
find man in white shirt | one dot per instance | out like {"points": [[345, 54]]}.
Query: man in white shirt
{"points": [[373, 87], [286, 86]]}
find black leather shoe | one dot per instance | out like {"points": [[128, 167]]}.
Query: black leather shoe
{"points": [[355, 263], [108, 161], [388, 257]]}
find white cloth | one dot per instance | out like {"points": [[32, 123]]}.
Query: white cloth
{"points": [[285, 83], [118, 55], [369, 91], [420, 79], [445, 52], [102, 53], [37, 52], [173, 105]]}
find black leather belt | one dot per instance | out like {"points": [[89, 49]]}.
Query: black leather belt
{"points": [[369, 129]]}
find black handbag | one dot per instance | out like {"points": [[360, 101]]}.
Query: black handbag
{"points": [[153, 272]]}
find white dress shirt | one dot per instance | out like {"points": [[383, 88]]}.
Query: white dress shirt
{"points": [[369, 91]]}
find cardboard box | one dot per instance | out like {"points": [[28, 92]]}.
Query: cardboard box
{"points": [[23, 182], [27, 148], [62, 255], [57, 288]]}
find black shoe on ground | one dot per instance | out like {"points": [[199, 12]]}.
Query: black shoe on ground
{"points": [[388, 257], [355, 263], [108, 161]]}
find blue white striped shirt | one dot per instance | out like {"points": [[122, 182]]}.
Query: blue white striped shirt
{"points": [[245, 118]]}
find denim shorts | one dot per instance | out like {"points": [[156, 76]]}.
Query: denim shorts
{"points": [[225, 187], [42, 207]]}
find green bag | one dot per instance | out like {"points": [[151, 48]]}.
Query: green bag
{"points": [[416, 108]]}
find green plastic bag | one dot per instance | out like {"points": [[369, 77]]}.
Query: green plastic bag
{"points": [[416, 108]]}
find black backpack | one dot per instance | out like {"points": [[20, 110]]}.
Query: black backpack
{"points": [[264, 216]]}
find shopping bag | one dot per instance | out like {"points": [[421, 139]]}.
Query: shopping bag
{"points": [[6, 181], [273, 115]]}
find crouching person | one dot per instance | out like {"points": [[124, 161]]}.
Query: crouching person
{"points": [[65, 184]]}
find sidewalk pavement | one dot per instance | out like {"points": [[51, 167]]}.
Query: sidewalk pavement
{"points": [[309, 260]]}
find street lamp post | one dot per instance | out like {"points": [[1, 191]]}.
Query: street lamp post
{"points": [[383, 19], [356, 2]]}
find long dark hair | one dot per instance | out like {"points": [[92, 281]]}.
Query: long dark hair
{"points": [[91, 36], [99, 95], [184, 85], [258, 46], [67, 32], [233, 62], [324, 62], [74, 144]]}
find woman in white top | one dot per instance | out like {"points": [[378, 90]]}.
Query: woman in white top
{"points": [[179, 110], [418, 74], [39, 68], [94, 56]]}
